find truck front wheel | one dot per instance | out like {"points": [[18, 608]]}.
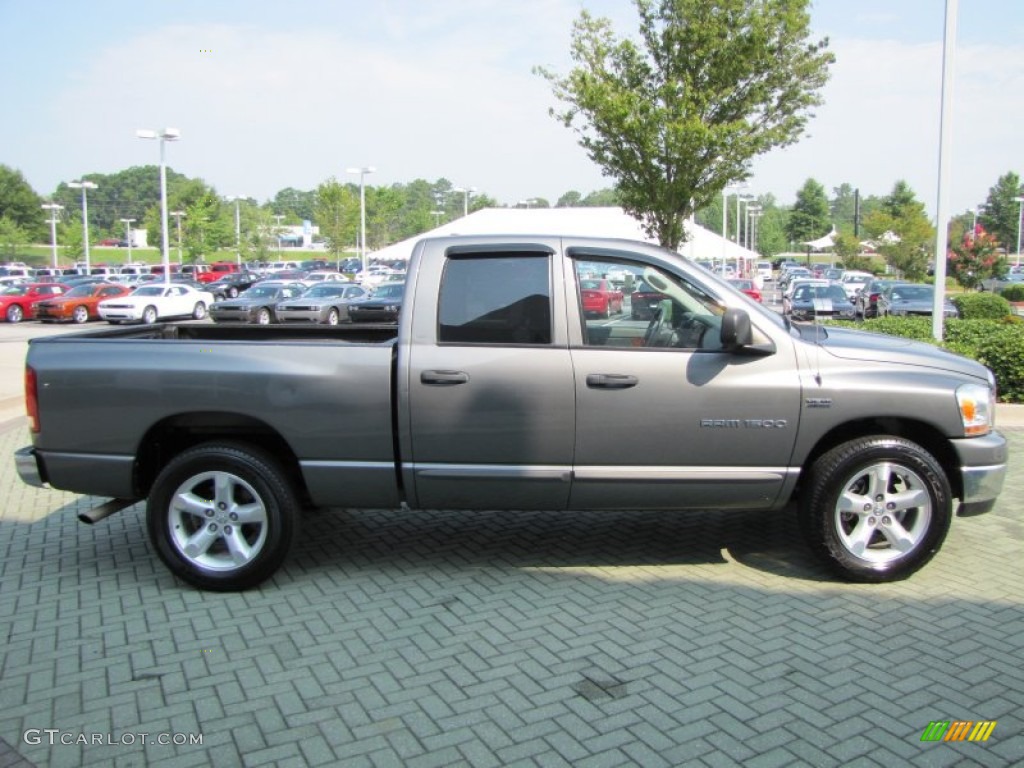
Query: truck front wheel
{"points": [[876, 508], [222, 516]]}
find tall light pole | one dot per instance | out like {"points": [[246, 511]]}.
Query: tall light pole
{"points": [[165, 135], [238, 227], [85, 186], [177, 216], [53, 208], [465, 197], [128, 237], [277, 230], [1020, 215], [753, 209], [437, 217], [974, 223], [362, 209]]}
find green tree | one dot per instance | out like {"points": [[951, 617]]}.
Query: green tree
{"points": [[848, 250], [676, 117], [810, 217], [12, 237], [843, 207], [601, 198], [1001, 217], [206, 227], [903, 231], [20, 204], [337, 214], [571, 199]]}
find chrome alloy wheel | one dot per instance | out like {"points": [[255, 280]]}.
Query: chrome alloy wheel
{"points": [[883, 512], [217, 521]]}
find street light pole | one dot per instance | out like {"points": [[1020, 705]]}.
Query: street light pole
{"points": [[165, 135], [177, 216], [238, 228], [128, 237], [465, 197], [437, 217], [362, 209], [1020, 216], [84, 186], [53, 208]]}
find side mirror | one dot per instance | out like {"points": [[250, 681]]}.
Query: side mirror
{"points": [[736, 331]]}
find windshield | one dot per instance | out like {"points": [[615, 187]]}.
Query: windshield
{"points": [[812, 292], [81, 290], [389, 292], [912, 293], [324, 292], [261, 292], [150, 290], [17, 290]]}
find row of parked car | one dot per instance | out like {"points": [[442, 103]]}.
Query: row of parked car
{"points": [[318, 297], [812, 298]]}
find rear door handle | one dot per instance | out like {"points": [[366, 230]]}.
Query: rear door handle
{"points": [[444, 378], [611, 381]]}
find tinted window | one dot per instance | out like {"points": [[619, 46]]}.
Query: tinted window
{"points": [[496, 300]]}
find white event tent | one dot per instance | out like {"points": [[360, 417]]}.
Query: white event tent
{"points": [[701, 244]]}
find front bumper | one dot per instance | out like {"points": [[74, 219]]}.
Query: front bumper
{"points": [[982, 471]]}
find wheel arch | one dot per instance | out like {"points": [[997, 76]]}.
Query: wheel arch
{"points": [[920, 432], [171, 436]]}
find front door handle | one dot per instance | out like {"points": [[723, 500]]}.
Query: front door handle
{"points": [[444, 378], [611, 381]]}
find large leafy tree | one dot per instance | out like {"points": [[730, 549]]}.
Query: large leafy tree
{"points": [[903, 231], [19, 203], [337, 214], [810, 217], [1001, 217], [679, 114]]}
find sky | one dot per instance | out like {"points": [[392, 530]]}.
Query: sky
{"points": [[269, 95]]}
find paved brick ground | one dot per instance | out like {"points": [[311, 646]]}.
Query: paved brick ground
{"points": [[441, 639]]}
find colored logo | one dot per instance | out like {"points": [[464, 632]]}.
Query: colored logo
{"points": [[958, 730]]}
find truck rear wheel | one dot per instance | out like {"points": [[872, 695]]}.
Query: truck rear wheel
{"points": [[876, 508], [222, 516]]}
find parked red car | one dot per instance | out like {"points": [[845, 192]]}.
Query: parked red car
{"points": [[600, 297], [746, 286], [18, 302], [79, 304]]}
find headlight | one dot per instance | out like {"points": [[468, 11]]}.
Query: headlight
{"points": [[977, 408]]}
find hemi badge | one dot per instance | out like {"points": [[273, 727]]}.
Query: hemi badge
{"points": [[818, 402]]}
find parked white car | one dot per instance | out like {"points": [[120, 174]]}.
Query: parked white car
{"points": [[156, 301], [853, 281]]}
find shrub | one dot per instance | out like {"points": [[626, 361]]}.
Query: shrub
{"points": [[981, 306], [1013, 292]]}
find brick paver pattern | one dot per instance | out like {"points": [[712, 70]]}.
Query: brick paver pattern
{"points": [[426, 639]]}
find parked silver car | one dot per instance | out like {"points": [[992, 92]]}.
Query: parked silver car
{"points": [[327, 302]]}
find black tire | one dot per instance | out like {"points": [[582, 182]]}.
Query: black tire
{"points": [[80, 314], [864, 496], [15, 314], [199, 312], [149, 315], [249, 482]]}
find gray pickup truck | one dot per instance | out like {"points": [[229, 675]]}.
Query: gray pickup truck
{"points": [[505, 386]]}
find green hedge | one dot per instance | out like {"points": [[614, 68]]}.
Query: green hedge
{"points": [[1013, 292], [995, 343], [980, 306]]}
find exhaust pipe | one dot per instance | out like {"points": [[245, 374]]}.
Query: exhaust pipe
{"points": [[96, 514]]}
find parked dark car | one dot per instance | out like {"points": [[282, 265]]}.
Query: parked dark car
{"points": [[644, 301], [905, 299], [866, 300], [231, 284], [325, 302], [256, 305], [382, 306], [811, 302]]}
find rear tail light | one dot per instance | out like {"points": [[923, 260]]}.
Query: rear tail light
{"points": [[32, 399]]}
